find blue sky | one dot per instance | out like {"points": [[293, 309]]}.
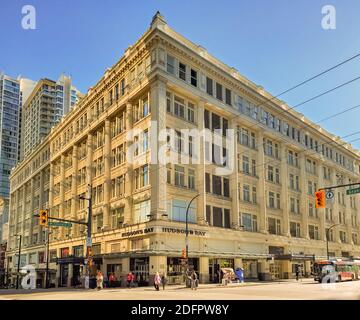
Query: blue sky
{"points": [[274, 43]]}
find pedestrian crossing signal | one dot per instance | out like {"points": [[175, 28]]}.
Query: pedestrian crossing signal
{"points": [[183, 253], [320, 199], [43, 217]]}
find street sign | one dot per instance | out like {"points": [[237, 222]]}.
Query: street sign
{"points": [[329, 195], [353, 191], [60, 224], [88, 242]]}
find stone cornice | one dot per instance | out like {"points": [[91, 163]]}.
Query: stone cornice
{"points": [[241, 84]]}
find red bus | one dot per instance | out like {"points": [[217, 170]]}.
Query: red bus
{"points": [[336, 270]]}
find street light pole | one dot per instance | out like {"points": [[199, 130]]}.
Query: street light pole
{"points": [[327, 240], [18, 266]]}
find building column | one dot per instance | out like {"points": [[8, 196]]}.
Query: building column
{"points": [[321, 212], [57, 276], [31, 229], [62, 193], [128, 217], [204, 270], [89, 161], [158, 171], [23, 211], [107, 175], [264, 270], [125, 263], [261, 185], [284, 178], [200, 174], [74, 181], [41, 206], [238, 263], [51, 187], [348, 219], [307, 268], [336, 234], [70, 274], [287, 269], [156, 264], [234, 181], [304, 198]]}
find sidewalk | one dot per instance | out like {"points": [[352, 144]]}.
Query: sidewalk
{"points": [[4, 292]]}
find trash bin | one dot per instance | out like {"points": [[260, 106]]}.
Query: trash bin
{"points": [[240, 274]]}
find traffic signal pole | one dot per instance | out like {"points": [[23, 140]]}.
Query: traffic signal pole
{"points": [[340, 186], [88, 224]]}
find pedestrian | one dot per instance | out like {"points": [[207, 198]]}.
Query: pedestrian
{"points": [[194, 280], [99, 280], [157, 281], [130, 280], [163, 281], [112, 280]]}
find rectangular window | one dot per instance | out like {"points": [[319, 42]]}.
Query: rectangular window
{"points": [[295, 229], [209, 86], [178, 212], [219, 91], [179, 176], [207, 182], [216, 185], [217, 217], [182, 71], [228, 97], [193, 79], [170, 66], [191, 179]]}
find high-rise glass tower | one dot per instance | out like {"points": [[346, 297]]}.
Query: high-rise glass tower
{"points": [[9, 129]]}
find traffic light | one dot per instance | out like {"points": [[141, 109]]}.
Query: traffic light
{"points": [[43, 217], [320, 199], [183, 253]]}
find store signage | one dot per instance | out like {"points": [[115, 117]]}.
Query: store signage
{"points": [[137, 232], [140, 232], [183, 231]]}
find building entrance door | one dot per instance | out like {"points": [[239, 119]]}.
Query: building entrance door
{"points": [[64, 271], [275, 270], [215, 266], [140, 268]]}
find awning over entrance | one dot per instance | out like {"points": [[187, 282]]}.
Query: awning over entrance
{"points": [[294, 257], [44, 270], [70, 260]]}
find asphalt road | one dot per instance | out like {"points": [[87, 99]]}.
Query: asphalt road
{"points": [[305, 289]]}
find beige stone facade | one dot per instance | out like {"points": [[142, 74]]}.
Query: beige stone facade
{"points": [[261, 217]]}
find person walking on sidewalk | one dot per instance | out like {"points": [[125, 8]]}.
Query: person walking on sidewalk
{"points": [[163, 281], [194, 280], [157, 281], [99, 280], [130, 280]]}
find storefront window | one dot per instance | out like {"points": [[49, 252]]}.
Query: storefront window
{"points": [[140, 268], [64, 252], [175, 267], [52, 256], [79, 251]]}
